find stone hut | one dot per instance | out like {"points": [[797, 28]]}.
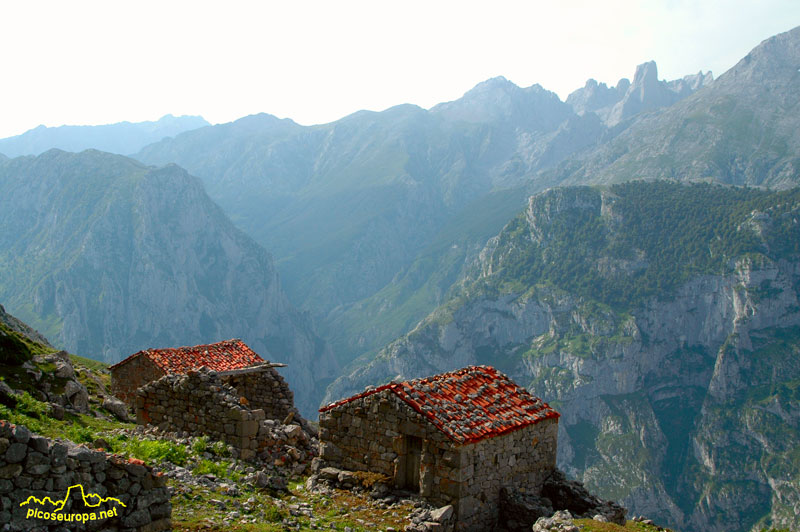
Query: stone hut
{"points": [[455, 438], [205, 403], [149, 365]]}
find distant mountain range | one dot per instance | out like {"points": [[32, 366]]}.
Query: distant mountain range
{"points": [[741, 129], [372, 216], [106, 256], [123, 138]]}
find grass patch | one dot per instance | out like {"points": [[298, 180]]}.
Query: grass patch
{"points": [[154, 451], [590, 525], [94, 365], [218, 469]]}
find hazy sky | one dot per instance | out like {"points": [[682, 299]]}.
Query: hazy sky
{"points": [[80, 62]]}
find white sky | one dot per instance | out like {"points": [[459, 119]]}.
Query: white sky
{"points": [[82, 62]]}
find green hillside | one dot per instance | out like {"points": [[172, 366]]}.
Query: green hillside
{"points": [[672, 233]]}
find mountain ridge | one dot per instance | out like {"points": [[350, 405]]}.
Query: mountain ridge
{"points": [[737, 130], [121, 137], [107, 256], [389, 182]]}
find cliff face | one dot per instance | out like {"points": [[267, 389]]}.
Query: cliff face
{"points": [[107, 256], [684, 406]]}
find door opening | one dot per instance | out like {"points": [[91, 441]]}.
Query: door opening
{"points": [[413, 455]]}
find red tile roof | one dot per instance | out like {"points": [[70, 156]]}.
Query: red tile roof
{"points": [[469, 404], [222, 356]]}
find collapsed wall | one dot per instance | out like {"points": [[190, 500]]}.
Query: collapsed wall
{"points": [[99, 491], [263, 389], [201, 404]]}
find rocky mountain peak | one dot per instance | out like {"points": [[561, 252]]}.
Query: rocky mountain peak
{"points": [[645, 93], [499, 100], [593, 96], [623, 85], [646, 75], [776, 57]]}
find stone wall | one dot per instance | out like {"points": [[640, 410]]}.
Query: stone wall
{"points": [[367, 434], [31, 465], [371, 434], [265, 390], [522, 459], [201, 404], [134, 373]]}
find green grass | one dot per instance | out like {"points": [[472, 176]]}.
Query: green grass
{"points": [[217, 468], [94, 365], [16, 348], [154, 451], [590, 525]]}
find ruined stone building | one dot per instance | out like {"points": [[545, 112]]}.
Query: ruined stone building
{"points": [[223, 390], [149, 365], [455, 438]]}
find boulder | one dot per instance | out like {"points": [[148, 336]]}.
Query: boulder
{"points": [[570, 495], [77, 396], [116, 407], [8, 397], [519, 511]]}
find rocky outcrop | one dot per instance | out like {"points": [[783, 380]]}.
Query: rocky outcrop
{"points": [[16, 325], [519, 511], [646, 93]]}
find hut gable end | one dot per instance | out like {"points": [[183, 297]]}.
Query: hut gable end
{"points": [[455, 438]]}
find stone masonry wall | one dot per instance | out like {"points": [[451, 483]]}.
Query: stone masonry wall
{"points": [[32, 465], [200, 404], [265, 390], [521, 460], [128, 377], [367, 434]]}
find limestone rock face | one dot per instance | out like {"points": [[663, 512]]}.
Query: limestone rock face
{"points": [[647, 93], [108, 256]]}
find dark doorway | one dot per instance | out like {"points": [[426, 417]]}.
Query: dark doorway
{"points": [[413, 455]]}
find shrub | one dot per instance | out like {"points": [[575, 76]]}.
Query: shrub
{"points": [[272, 514], [200, 445], [220, 449]]}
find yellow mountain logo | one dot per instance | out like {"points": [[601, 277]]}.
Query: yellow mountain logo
{"points": [[90, 500]]}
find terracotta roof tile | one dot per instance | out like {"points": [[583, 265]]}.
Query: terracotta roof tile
{"points": [[222, 356], [469, 404]]}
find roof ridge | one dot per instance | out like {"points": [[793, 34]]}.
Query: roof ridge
{"points": [[468, 404], [224, 355]]}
